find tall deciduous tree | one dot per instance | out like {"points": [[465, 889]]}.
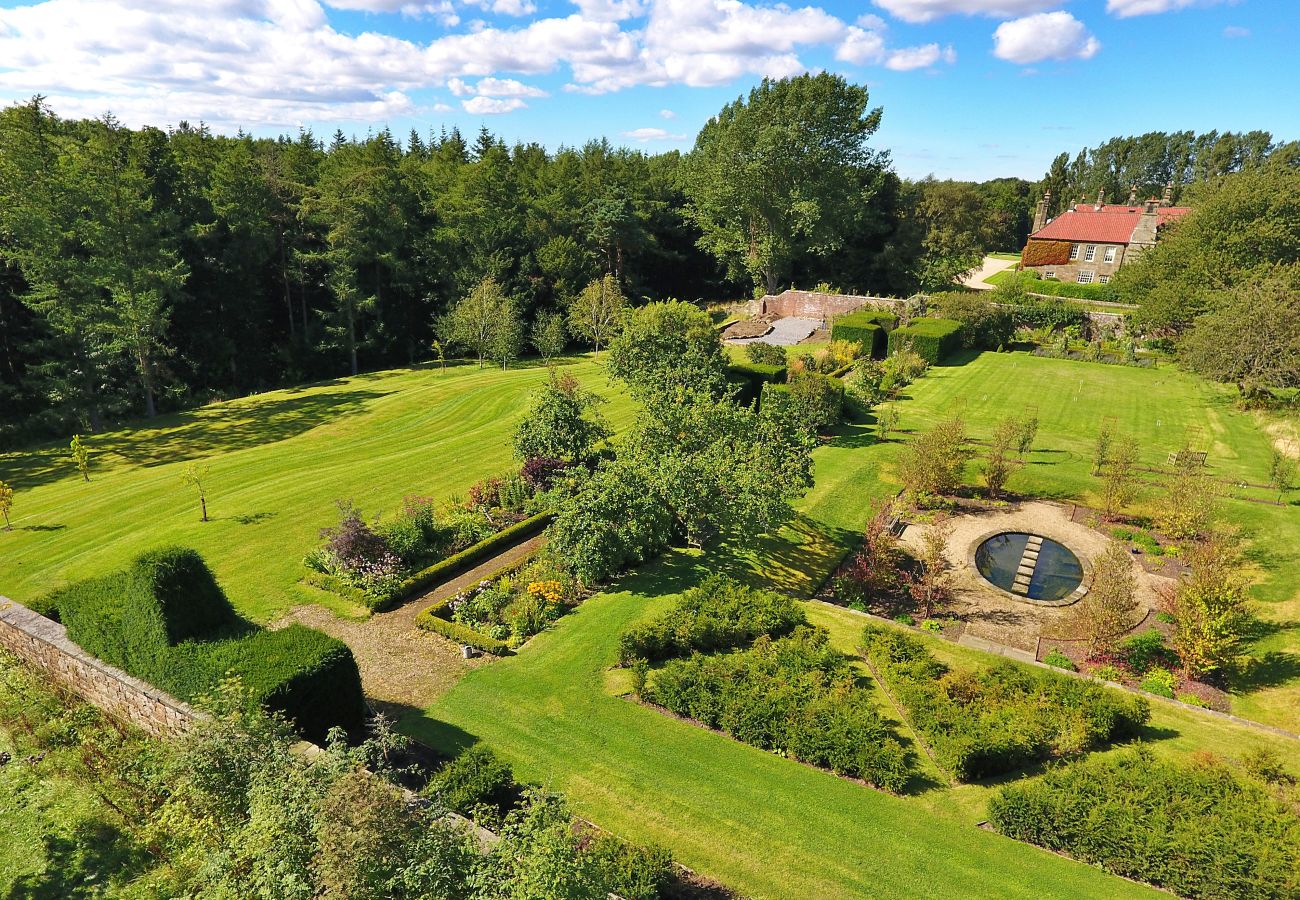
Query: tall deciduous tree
{"points": [[772, 175], [664, 348], [478, 321]]}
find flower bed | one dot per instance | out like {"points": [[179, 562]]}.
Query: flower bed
{"points": [[375, 565], [505, 609]]}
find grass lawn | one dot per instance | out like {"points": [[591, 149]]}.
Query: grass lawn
{"points": [[772, 827], [279, 461], [1010, 257]]}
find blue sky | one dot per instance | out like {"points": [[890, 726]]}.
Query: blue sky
{"points": [[970, 88]]}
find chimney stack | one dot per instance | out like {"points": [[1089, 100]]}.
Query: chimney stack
{"points": [[1152, 204], [1101, 199], [1168, 199], [1133, 194], [1040, 211]]}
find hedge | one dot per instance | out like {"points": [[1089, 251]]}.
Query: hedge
{"points": [[1035, 285], [167, 621], [750, 377], [934, 339], [471, 556], [867, 327], [1045, 253], [1197, 830], [1001, 718], [718, 614], [795, 695]]}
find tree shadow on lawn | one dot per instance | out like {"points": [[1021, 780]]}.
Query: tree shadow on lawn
{"points": [[447, 741], [178, 437], [1271, 668]]}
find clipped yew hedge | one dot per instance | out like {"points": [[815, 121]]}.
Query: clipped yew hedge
{"points": [[1196, 829], [718, 614], [167, 621], [795, 695], [934, 339], [867, 327], [1001, 718]]}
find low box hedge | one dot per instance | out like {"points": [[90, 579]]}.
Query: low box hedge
{"points": [[934, 339], [470, 556], [437, 618], [167, 621], [867, 327]]}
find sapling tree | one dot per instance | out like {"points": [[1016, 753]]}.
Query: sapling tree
{"points": [[932, 588], [1101, 451], [196, 476], [1028, 431], [933, 462], [1191, 500], [1282, 474], [6, 503], [1111, 604], [1210, 606], [997, 465], [440, 354], [597, 311], [887, 418], [1119, 479], [80, 454], [549, 336]]}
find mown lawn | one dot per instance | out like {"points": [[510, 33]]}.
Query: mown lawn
{"points": [[772, 827], [279, 462]]}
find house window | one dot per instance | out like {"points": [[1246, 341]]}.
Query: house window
{"points": [[1049, 273], [1104, 279], [1074, 251], [1110, 255], [1090, 254], [1084, 277]]}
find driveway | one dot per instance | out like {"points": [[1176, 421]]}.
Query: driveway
{"points": [[992, 266]]}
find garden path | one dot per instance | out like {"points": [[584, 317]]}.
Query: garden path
{"points": [[402, 667], [990, 267]]}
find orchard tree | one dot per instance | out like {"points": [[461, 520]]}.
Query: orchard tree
{"points": [[665, 348], [508, 335], [997, 465], [1111, 604], [1251, 337], [80, 455], [6, 503], [562, 422], [597, 311], [1282, 473], [1028, 432], [196, 476], [934, 460], [767, 182], [549, 337]]}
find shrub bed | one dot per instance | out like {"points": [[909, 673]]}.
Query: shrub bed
{"points": [[794, 695], [1002, 718], [934, 339], [1198, 830], [474, 554], [867, 327], [504, 609], [719, 614], [167, 621], [380, 564]]}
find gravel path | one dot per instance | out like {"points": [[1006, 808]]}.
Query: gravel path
{"points": [[402, 667], [992, 266], [785, 332]]}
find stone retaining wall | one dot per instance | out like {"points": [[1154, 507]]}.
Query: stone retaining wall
{"points": [[43, 644], [813, 305]]}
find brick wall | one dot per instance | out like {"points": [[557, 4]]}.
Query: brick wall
{"points": [[812, 305], [43, 644]]}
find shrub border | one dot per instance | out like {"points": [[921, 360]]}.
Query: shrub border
{"points": [[431, 618]]}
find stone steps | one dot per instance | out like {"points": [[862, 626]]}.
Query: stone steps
{"points": [[1028, 562]]}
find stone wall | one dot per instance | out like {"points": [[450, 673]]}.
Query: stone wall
{"points": [[43, 644], [812, 305]]}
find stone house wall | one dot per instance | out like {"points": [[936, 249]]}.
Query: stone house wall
{"points": [[1070, 271], [43, 644]]}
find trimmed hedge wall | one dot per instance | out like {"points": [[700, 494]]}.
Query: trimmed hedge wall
{"points": [[751, 376], [867, 327], [471, 556], [167, 621], [1198, 830], [718, 614], [1001, 718], [934, 339]]}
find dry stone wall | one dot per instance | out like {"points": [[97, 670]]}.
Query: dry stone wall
{"points": [[43, 644]]}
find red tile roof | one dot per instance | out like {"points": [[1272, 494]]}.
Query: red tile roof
{"points": [[1112, 224]]}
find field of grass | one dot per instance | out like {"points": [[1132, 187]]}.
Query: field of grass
{"points": [[1010, 257], [279, 461]]}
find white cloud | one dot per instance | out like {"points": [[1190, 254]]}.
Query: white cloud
{"points": [[492, 106], [928, 10], [1236, 31], [494, 87], [910, 58], [652, 134], [507, 7], [1056, 35], [861, 47], [1126, 8], [667, 114], [610, 10]]}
